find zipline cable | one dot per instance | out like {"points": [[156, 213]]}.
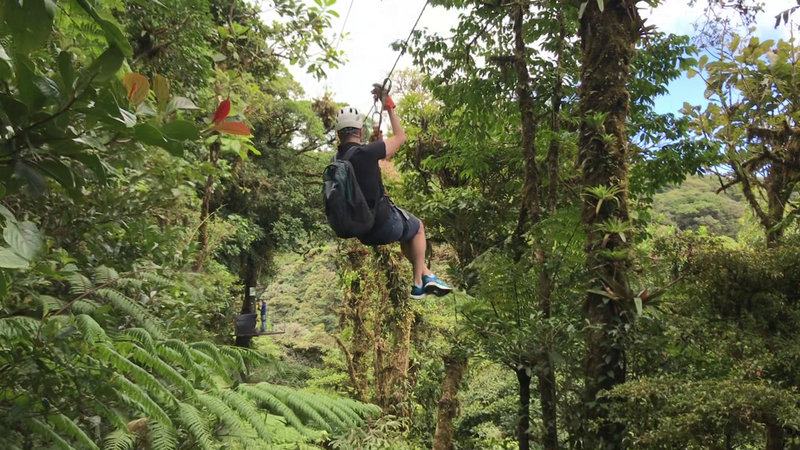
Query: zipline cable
{"points": [[346, 17], [402, 52]]}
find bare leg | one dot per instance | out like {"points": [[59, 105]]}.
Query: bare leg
{"points": [[414, 251]]}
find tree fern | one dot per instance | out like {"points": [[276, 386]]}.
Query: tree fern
{"points": [[236, 357], [299, 405], [78, 284], [84, 306], [120, 439], [213, 365], [133, 309], [176, 358], [63, 423], [142, 377], [105, 275], [276, 406], [19, 327], [212, 351], [48, 304], [132, 394], [91, 330], [190, 419], [156, 280], [143, 337], [113, 415], [161, 437], [334, 416], [232, 420], [162, 369], [49, 435], [246, 409]]}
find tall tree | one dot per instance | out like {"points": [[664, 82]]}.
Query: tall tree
{"points": [[609, 32]]}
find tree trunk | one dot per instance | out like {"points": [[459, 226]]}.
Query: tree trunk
{"points": [[778, 194], [251, 272], [392, 349], [524, 413], [608, 41], [455, 366], [205, 212], [545, 373], [775, 436], [356, 312], [530, 193]]}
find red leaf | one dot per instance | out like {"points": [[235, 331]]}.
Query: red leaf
{"points": [[222, 112], [237, 128]]}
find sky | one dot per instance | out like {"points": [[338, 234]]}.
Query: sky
{"points": [[374, 24]]}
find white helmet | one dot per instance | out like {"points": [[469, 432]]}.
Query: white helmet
{"points": [[348, 117]]}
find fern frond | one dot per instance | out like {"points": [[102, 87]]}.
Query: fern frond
{"points": [[189, 417], [246, 409], [134, 396], [78, 284], [298, 404], [236, 357], [210, 364], [48, 304], [161, 437], [48, 434], [156, 280], [63, 423], [119, 440], [19, 327], [162, 369], [143, 337], [327, 408], [274, 405], [114, 416], [211, 350], [84, 306], [253, 356], [133, 309], [231, 419], [142, 377], [90, 329], [185, 360], [104, 275]]}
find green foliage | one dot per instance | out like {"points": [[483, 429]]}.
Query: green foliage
{"points": [[131, 380]]}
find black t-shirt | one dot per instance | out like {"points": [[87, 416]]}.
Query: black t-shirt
{"points": [[368, 174]]}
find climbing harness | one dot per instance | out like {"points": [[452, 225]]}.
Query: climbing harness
{"points": [[375, 106]]}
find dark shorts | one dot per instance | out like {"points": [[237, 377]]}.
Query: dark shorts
{"points": [[401, 226]]}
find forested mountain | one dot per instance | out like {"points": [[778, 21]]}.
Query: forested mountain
{"points": [[625, 278]]}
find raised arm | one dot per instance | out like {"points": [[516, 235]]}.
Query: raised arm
{"points": [[393, 143], [399, 138]]}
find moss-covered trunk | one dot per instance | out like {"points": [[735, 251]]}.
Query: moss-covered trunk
{"points": [[455, 366], [356, 312], [392, 336], [608, 41]]}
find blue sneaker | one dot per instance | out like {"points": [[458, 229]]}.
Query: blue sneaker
{"points": [[417, 292], [435, 286]]}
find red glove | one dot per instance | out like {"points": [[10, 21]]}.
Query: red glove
{"points": [[388, 103]]}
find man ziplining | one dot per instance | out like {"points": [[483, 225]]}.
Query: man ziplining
{"points": [[356, 203]]}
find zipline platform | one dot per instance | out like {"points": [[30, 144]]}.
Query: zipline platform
{"points": [[256, 333], [245, 326]]}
